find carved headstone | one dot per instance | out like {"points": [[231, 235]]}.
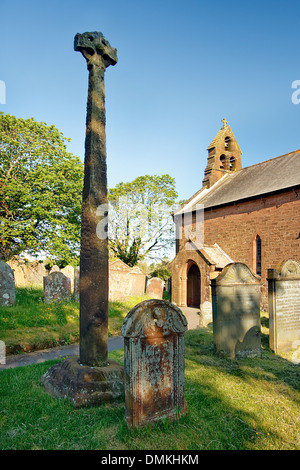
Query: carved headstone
{"points": [[284, 306], [155, 288], [154, 362], [7, 285], [57, 287], [236, 312]]}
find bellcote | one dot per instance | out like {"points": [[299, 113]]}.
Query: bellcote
{"points": [[224, 156]]}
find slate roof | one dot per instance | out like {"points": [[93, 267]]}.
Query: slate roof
{"points": [[212, 253], [276, 174]]}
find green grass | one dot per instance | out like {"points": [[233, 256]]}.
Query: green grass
{"points": [[33, 324], [249, 404], [232, 404]]}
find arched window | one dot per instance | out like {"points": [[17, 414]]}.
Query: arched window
{"points": [[232, 164], [222, 162], [257, 259], [227, 142]]}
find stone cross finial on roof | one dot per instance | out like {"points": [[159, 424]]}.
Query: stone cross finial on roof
{"points": [[224, 123]]}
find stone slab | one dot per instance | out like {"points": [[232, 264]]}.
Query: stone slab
{"points": [[85, 386]]}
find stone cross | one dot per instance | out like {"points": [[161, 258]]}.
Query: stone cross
{"points": [[90, 379], [94, 248], [224, 123]]}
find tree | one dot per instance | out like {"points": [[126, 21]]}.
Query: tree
{"points": [[40, 191], [161, 269], [140, 222]]}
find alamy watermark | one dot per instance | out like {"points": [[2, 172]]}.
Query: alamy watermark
{"points": [[2, 92], [147, 221], [296, 94]]}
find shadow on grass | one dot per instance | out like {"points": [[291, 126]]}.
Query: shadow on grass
{"points": [[246, 399]]}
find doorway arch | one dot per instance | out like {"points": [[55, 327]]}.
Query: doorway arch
{"points": [[193, 286]]}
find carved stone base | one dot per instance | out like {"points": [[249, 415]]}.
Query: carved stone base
{"points": [[84, 385]]}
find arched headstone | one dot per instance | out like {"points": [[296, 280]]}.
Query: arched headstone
{"points": [[154, 362], [57, 286], [284, 306], [236, 312]]}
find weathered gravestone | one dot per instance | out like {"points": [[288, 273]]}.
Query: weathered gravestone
{"points": [[155, 287], [7, 285], [125, 280], [20, 270], [154, 362], [284, 306], [57, 287], [236, 312]]}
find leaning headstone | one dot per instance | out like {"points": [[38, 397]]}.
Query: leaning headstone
{"points": [[57, 286], [236, 312], [154, 362], [155, 288], [284, 306], [7, 285]]}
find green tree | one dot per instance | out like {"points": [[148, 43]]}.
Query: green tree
{"points": [[161, 269], [140, 222], [40, 191]]}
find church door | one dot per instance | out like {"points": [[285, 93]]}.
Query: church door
{"points": [[193, 286]]}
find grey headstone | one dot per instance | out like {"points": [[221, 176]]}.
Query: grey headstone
{"points": [[284, 306], [236, 312], [7, 285], [57, 287]]}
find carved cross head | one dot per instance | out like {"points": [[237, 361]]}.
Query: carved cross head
{"points": [[95, 49]]}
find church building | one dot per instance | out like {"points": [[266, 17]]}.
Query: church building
{"points": [[249, 215]]}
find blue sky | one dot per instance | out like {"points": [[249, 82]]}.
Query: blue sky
{"points": [[182, 67]]}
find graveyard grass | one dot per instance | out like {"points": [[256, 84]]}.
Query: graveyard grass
{"points": [[245, 404], [33, 324]]}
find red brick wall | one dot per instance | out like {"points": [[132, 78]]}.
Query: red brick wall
{"points": [[276, 219]]}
